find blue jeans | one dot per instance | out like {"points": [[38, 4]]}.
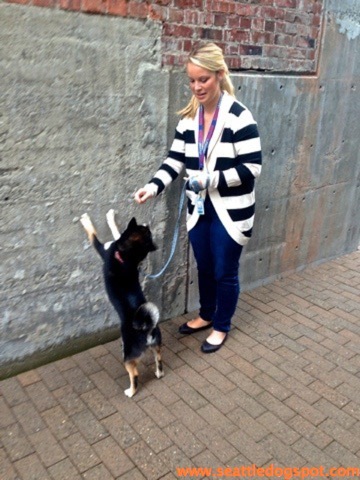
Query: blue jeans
{"points": [[218, 258]]}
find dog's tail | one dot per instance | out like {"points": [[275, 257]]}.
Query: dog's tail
{"points": [[146, 316]]}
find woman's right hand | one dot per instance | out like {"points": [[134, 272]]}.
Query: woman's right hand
{"points": [[143, 194]]}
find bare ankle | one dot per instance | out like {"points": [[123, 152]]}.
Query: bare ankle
{"points": [[198, 322]]}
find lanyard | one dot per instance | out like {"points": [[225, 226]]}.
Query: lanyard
{"points": [[203, 146]]}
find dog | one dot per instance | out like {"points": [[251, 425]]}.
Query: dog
{"points": [[138, 318]]}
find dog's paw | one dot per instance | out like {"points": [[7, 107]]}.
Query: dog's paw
{"points": [[130, 392], [85, 221], [159, 373], [110, 216]]}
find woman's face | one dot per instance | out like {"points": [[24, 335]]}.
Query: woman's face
{"points": [[204, 84]]}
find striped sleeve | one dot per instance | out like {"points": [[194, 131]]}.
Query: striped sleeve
{"points": [[174, 163], [247, 147]]}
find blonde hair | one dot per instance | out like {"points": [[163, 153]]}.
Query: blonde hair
{"points": [[210, 57]]}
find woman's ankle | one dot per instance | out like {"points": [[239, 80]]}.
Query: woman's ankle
{"points": [[198, 322]]}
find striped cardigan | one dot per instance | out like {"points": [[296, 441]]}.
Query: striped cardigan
{"points": [[235, 151]]}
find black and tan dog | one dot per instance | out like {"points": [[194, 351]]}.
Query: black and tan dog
{"points": [[138, 318]]}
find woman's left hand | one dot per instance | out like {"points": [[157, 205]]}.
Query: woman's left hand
{"points": [[203, 180]]}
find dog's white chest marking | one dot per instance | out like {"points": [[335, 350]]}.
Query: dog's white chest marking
{"points": [[107, 245]]}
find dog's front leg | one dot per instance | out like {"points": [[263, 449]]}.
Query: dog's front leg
{"points": [[88, 226], [91, 233], [131, 367], [110, 217]]}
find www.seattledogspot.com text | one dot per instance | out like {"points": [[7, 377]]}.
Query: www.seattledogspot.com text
{"points": [[286, 473]]}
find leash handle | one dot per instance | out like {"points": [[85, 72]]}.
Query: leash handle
{"points": [[175, 237]]}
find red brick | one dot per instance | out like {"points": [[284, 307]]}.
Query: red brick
{"points": [[169, 60], [258, 24], [212, 34], [269, 13], [20, 2], [245, 10], [137, 10], [175, 15], [156, 12], [220, 20], [188, 4], [233, 21], [179, 30], [223, 6], [117, 7], [94, 6], [246, 23], [45, 3], [240, 36], [192, 17], [285, 3]]}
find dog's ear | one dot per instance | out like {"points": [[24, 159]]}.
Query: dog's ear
{"points": [[132, 223]]}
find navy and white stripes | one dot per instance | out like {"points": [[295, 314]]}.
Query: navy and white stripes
{"points": [[235, 151]]}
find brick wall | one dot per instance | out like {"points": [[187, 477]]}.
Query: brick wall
{"points": [[262, 35]]}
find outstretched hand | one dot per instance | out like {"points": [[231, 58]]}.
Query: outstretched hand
{"points": [[143, 194]]}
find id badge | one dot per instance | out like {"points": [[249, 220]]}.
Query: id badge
{"points": [[200, 205]]}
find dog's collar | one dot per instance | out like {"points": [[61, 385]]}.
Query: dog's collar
{"points": [[119, 257]]}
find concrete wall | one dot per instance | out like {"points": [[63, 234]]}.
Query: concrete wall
{"points": [[309, 193], [83, 122], [86, 113]]}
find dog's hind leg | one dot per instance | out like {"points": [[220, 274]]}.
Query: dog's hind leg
{"points": [[110, 218], [131, 367], [159, 372]]}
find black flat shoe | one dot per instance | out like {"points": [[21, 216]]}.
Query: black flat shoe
{"points": [[186, 330], [207, 347]]}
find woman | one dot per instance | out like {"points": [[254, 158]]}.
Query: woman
{"points": [[217, 141]]}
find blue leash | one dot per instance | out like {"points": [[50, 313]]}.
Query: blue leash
{"points": [[175, 237]]}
